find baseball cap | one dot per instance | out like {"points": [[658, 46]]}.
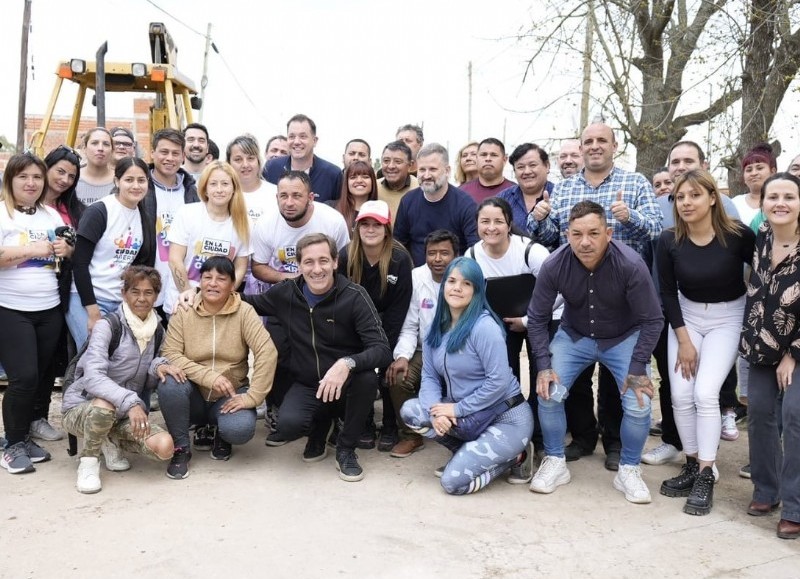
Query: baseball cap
{"points": [[378, 210]]}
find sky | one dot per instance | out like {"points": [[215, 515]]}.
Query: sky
{"points": [[359, 68]]}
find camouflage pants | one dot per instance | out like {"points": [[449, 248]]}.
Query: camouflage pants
{"points": [[94, 424]]}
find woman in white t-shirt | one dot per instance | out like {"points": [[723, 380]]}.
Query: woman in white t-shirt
{"points": [[502, 253], [97, 177], [113, 234], [757, 164], [219, 225], [30, 313], [260, 197]]}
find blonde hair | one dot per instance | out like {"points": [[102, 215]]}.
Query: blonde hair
{"points": [[461, 177], [720, 221], [236, 206]]}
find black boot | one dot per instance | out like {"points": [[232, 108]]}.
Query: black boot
{"points": [[681, 485], [701, 499]]}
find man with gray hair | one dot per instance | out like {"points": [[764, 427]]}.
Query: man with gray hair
{"points": [[435, 204]]}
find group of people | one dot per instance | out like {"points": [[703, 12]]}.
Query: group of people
{"points": [[301, 290]]}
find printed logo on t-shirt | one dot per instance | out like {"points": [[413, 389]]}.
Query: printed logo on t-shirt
{"points": [[288, 257], [392, 279], [128, 247], [206, 248], [427, 304], [32, 236], [163, 223], [255, 213]]}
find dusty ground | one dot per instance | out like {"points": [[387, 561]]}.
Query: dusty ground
{"points": [[266, 513]]}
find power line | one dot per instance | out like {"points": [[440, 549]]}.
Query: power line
{"points": [[178, 20]]}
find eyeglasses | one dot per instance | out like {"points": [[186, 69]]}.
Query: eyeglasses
{"points": [[122, 144], [69, 150]]}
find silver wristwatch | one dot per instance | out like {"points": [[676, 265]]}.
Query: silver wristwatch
{"points": [[350, 363]]}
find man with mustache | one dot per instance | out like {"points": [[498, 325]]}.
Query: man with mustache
{"points": [[195, 151]]}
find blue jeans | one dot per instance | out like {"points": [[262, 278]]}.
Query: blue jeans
{"points": [[568, 360], [182, 404], [475, 464], [78, 318]]}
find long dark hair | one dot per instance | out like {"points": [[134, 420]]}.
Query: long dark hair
{"points": [[147, 253], [345, 205], [68, 201]]}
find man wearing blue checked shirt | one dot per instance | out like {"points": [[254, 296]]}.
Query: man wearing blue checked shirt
{"points": [[630, 203]]}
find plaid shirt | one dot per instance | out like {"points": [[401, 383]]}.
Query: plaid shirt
{"points": [[642, 228]]}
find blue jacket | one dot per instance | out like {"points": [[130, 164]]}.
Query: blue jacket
{"points": [[326, 178], [477, 376]]}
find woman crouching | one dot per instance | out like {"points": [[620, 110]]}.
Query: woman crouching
{"points": [[211, 342], [105, 404], [469, 400]]}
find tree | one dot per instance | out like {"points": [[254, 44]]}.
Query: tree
{"points": [[658, 60], [772, 60]]}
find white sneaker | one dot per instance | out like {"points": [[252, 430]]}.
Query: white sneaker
{"points": [[729, 430], [42, 430], [261, 410], [115, 461], [89, 475], [629, 481], [661, 454], [716, 472], [552, 474]]}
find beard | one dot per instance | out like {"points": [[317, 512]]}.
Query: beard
{"points": [[429, 188], [297, 217]]}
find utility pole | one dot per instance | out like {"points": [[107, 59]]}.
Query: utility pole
{"points": [[23, 76], [587, 66], [469, 105], [204, 79]]}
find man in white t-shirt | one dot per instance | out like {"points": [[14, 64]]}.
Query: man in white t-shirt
{"points": [[171, 188], [405, 373], [276, 234]]}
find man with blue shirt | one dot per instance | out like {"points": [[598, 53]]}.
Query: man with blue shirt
{"points": [[326, 178], [611, 315], [635, 218], [435, 204]]}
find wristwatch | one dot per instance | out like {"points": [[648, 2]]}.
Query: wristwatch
{"points": [[350, 363]]}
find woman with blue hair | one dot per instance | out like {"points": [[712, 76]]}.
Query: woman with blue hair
{"points": [[469, 400]]}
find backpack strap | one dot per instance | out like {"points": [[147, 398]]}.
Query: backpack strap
{"points": [[471, 252], [528, 252], [116, 332]]}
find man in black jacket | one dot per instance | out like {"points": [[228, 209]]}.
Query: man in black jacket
{"points": [[336, 341]]}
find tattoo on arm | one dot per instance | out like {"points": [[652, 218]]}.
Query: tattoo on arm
{"points": [[179, 279], [637, 382]]}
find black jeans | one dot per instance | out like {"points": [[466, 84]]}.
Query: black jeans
{"points": [[28, 342], [669, 432], [302, 413], [579, 407], [514, 343]]}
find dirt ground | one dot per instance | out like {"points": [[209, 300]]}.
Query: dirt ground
{"points": [[267, 513]]}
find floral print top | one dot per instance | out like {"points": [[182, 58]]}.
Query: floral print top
{"points": [[772, 315]]}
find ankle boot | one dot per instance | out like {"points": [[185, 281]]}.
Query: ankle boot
{"points": [[681, 485], [701, 498]]}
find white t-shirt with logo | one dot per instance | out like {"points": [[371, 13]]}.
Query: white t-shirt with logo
{"points": [[261, 201], [30, 286], [203, 238], [168, 203], [115, 249], [275, 241]]}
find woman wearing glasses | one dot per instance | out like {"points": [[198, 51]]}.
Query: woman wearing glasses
{"points": [[97, 178], [122, 145], [30, 315]]}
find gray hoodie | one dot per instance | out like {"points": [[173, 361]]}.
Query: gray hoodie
{"points": [[122, 380]]}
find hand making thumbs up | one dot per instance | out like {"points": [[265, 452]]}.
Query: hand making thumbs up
{"points": [[542, 208], [619, 209]]}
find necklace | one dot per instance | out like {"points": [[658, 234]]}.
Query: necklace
{"points": [[26, 210]]}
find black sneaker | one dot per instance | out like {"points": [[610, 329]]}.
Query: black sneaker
{"points": [[367, 439], [275, 439], [574, 451], [387, 440], [222, 449], [204, 437], [347, 465], [315, 450], [681, 485], [179, 464], [612, 460], [701, 497]]}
